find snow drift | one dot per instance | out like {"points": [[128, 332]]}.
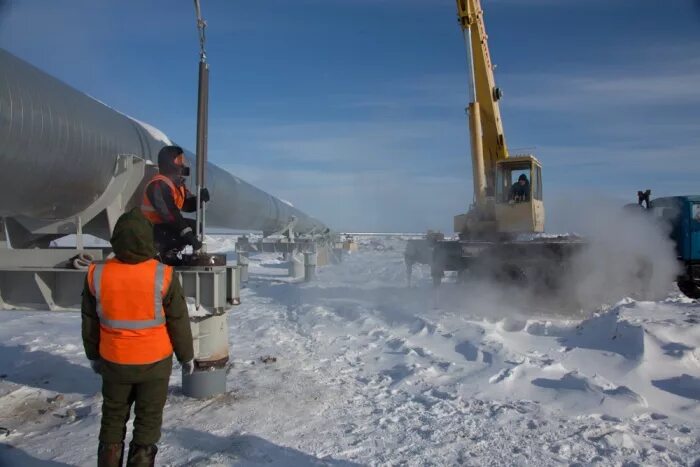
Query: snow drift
{"points": [[365, 371]]}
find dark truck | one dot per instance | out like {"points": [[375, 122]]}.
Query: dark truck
{"points": [[682, 215]]}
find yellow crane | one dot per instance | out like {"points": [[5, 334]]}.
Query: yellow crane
{"points": [[491, 241], [495, 209]]}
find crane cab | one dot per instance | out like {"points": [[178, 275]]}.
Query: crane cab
{"points": [[519, 206]]}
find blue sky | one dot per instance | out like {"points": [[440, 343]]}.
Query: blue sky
{"points": [[354, 110]]}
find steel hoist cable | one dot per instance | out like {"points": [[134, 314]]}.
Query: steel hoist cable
{"points": [[202, 28], [202, 125]]}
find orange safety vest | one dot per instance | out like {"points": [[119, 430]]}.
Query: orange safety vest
{"points": [[178, 193], [130, 308]]}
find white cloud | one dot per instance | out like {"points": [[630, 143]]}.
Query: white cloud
{"points": [[659, 75]]}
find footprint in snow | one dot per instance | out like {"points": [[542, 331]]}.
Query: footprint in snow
{"points": [[574, 382], [676, 349], [397, 373], [685, 386], [500, 376], [395, 343], [471, 352], [422, 327]]}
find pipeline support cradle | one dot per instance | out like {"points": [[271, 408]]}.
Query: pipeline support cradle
{"points": [[45, 278]]}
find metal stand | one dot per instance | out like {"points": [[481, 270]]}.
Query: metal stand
{"points": [[53, 278], [303, 253], [35, 276], [207, 276], [210, 336], [214, 288]]}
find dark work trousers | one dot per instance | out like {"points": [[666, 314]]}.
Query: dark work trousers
{"points": [[149, 398], [167, 236]]}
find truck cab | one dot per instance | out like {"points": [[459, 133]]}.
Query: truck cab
{"points": [[516, 213], [681, 214]]}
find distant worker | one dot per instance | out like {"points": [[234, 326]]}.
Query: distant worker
{"points": [[520, 191], [163, 199], [133, 317]]}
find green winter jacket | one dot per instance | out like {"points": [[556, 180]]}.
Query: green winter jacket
{"points": [[132, 242]]}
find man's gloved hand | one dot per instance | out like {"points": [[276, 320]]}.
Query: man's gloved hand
{"points": [[191, 239], [187, 367], [204, 196], [196, 244], [96, 365]]}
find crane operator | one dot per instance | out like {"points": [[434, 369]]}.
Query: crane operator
{"points": [[520, 191], [164, 197]]}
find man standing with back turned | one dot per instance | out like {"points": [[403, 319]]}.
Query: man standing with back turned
{"points": [[134, 316]]}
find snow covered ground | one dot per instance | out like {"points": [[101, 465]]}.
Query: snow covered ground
{"points": [[369, 372]]}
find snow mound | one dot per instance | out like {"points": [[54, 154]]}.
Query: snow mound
{"points": [[366, 371]]}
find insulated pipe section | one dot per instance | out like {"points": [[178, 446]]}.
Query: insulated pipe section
{"points": [[260, 211], [58, 148]]}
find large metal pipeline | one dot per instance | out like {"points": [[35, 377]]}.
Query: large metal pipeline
{"points": [[58, 148]]}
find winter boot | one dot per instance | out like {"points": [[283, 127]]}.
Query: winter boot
{"points": [[110, 454], [141, 456]]}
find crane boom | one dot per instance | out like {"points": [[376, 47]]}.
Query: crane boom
{"points": [[486, 128]]}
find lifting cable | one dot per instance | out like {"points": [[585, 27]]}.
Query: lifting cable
{"points": [[201, 27], [202, 124]]}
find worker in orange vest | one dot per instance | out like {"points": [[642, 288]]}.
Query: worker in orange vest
{"points": [[163, 199], [134, 316]]}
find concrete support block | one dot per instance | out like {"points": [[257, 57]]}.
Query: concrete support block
{"points": [[323, 255], [296, 266], [243, 265], [233, 284], [211, 347], [309, 266], [337, 255]]}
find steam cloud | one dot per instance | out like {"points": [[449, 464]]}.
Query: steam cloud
{"points": [[628, 253], [625, 254]]}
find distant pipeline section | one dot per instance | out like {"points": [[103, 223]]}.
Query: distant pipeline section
{"points": [[58, 149]]}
